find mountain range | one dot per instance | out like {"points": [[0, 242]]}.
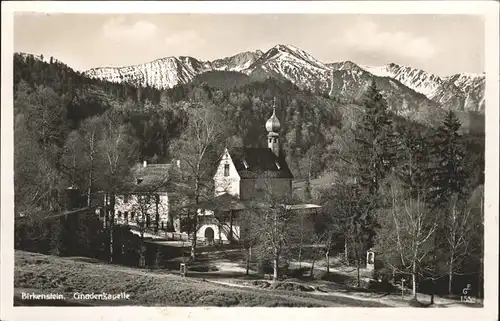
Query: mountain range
{"points": [[408, 90]]}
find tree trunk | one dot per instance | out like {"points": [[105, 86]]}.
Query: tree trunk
{"points": [[276, 267], [249, 253], [111, 225], [300, 256], [91, 172], [327, 255], [142, 258], [433, 290], [435, 268], [346, 253], [301, 240], [195, 224], [193, 244], [219, 225], [231, 227], [450, 279], [414, 280], [157, 217], [358, 263], [312, 267]]}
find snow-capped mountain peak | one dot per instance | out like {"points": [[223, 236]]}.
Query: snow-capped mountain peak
{"points": [[291, 54], [460, 91]]}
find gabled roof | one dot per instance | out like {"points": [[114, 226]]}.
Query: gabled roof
{"points": [[152, 178], [259, 163]]}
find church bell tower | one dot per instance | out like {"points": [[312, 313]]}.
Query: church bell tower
{"points": [[273, 127]]}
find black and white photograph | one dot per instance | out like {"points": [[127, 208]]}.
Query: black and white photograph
{"points": [[265, 159]]}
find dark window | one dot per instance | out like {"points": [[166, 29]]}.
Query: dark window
{"points": [[125, 215], [226, 169], [119, 214], [132, 215]]}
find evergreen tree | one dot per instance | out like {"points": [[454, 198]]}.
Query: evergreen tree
{"points": [[375, 146], [374, 155], [448, 171], [413, 159]]}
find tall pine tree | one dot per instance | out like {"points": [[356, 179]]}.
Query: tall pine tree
{"points": [[413, 159], [448, 173], [374, 156], [375, 152]]}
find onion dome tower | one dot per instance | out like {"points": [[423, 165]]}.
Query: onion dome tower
{"points": [[273, 127]]}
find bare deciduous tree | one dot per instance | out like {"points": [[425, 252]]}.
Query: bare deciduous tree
{"points": [[89, 133], [405, 232], [457, 230], [117, 153], [196, 149], [276, 228]]}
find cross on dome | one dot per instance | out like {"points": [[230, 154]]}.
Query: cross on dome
{"points": [[273, 124]]}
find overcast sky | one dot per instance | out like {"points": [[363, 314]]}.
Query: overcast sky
{"points": [[442, 44]]}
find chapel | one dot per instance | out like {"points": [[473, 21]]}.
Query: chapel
{"points": [[245, 174]]}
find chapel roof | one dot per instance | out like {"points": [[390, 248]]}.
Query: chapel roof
{"points": [[259, 163]]}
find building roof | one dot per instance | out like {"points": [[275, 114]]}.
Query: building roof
{"points": [[259, 163], [152, 178]]}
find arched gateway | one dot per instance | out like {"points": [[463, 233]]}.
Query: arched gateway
{"points": [[209, 234]]}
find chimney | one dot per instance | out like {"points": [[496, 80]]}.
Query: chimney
{"points": [[144, 164]]}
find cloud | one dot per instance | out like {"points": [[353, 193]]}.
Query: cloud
{"points": [[367, 37], [186, 37], [118, 30]]}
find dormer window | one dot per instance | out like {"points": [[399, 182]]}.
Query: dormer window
{"points": [[226, 170]]}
